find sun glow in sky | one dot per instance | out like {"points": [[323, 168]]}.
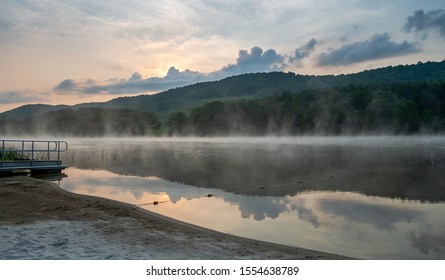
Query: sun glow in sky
{"points": [[68, 52]]}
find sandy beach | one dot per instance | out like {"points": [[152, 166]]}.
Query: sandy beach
{"points": [[39, 220]]}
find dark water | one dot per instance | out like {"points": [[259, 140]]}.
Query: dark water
{"points": [[365, 197]]}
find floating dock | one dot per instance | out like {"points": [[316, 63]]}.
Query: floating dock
{"points": [[31, 156]]}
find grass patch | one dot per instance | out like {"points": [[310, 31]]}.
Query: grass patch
{"points": [[13, 153]]}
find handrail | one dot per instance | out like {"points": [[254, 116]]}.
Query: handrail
{"points": [[23, 142], [31, 146]]}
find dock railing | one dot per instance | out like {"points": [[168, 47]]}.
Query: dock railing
{"points": [[31, 154]]}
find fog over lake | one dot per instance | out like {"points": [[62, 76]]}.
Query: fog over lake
{"points": [[365, 197]]}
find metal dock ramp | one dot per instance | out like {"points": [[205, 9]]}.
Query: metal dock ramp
{"points": [[33, 156]]}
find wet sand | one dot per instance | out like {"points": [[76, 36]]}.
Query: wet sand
{"points": [[38, 215]]}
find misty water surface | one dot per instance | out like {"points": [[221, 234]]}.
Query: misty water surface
{"points": [[365, 197]]}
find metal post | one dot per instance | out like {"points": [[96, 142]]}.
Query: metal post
{"points": [[3, 151], [58, 152], [32, 153], [23, 148]]}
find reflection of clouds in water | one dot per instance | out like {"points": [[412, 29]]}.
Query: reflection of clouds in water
{"points": [[427, 243], [117, 185], [260, 207], [382, 217], [306, 214], [257, 207], [137, 186]]}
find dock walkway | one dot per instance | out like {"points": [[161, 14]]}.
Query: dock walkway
{"points": [[31, 156]]}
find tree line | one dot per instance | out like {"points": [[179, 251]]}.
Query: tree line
{"points": [[398, 108], [85, 122]]}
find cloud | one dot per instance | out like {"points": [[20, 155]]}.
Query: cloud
{"points": [[12, 97], [303, 51], [420, 21], [5, 25], [256, 60], [135, 77], [176, 75], [134, 84], [66, 85], [379, 46]]}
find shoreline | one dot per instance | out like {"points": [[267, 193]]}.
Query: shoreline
{"points": [[38, 214]]}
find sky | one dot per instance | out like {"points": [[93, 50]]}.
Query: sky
{"points": [[75, 51]]}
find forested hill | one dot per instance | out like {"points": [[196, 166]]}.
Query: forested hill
{"points": [[263, 84], [248, 86]]}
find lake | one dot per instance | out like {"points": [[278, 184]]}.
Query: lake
{"points": [[363, 197]]}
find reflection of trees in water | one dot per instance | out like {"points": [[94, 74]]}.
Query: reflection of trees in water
{"points": [[268, 170]]}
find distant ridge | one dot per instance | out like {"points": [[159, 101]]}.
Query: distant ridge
{"points": [[245, 86], [31, 111]]}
